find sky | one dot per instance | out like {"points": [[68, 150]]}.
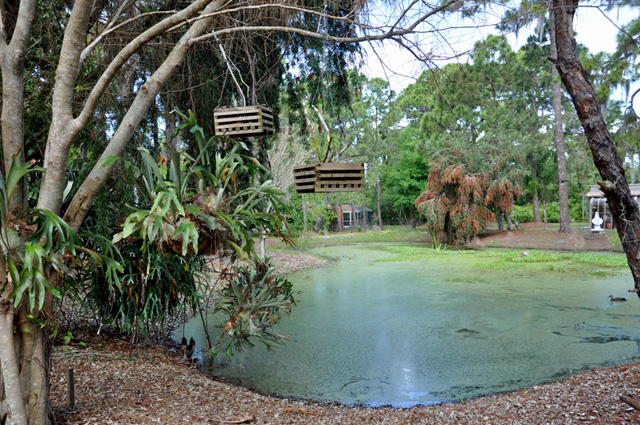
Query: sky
{"points": [[593, 29]]}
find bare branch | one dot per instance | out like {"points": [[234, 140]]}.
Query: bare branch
{"points": [[312, 34], [124, 55], [22, 31], [111, 28], [404, 13], [631, 38]]}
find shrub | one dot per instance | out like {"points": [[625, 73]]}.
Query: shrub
{"points": [[522, 214]]}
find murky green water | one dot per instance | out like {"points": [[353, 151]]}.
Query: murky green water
{"points": [[407, 333]]}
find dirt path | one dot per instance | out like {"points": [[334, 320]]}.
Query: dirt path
{"points": [[534, 236]]}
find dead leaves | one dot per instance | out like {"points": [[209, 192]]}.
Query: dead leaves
{"points": [[246, 420]]}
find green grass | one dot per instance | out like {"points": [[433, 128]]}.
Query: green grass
{"points": [[415, 245], [513, 261]]}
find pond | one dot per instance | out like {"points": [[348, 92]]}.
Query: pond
{"points": [[371, 331]]}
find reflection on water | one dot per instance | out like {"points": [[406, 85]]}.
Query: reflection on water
{"points": [[406, 333]]}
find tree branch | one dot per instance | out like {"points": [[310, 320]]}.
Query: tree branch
{"points": [[109, 28], [633, 402], [124, 55], [144, 99], [313, 34]]}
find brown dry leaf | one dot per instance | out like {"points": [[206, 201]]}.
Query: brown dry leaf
{"points": [[246, 420]]}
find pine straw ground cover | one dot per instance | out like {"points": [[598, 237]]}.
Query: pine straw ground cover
{"points": [[118, 383]]}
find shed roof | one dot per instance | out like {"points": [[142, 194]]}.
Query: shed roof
{"points": [[595, 192]]}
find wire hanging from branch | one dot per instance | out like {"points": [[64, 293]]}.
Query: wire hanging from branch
{"points": [[228, 63]]}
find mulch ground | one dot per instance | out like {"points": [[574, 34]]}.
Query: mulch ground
{"points": [[120, 383]]}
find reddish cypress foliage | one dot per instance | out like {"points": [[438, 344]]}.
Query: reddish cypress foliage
{"points": [[459, 203]]}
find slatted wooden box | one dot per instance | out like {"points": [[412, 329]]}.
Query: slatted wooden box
{"points": [[247, 121], [324, 177]]}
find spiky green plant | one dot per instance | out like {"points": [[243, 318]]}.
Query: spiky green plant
{"points": [[253, 301], [196, 203]]}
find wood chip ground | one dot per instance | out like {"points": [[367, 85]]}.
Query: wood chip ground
{"points": [[118, 383]]}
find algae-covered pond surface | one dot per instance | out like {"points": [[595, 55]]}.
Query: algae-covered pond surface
{"points": [[398, 326]]}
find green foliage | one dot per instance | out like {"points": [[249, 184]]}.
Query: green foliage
{"points": [[152, 287], [322, 215], [295, 215], [39, 246], [553, 212], [404, 176], [190, 206], [196, 203], [254, 301], [575, 209], [522, 213]]}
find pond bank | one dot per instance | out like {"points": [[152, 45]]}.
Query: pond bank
{"points": [[124, 384]]}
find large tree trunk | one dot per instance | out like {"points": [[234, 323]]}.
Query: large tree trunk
{"points": [[558, 135], [12, 406], [23, 382], [624, 209]]}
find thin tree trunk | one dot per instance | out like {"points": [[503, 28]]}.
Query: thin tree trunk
{"points": [[378, 205], [509, 223], [536, 208], [304, 215], [499, 220], [623, 208], [544, 212], [364, 217], [339, 215], [20, 400], [632, 172], [13, 48], [558, 133], [354, 222]]}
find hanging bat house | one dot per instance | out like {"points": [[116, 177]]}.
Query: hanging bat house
{"points": [[247, 121], [324, 177]]}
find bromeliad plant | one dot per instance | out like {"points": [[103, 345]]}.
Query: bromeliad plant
{"points": [[197, 206]]}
